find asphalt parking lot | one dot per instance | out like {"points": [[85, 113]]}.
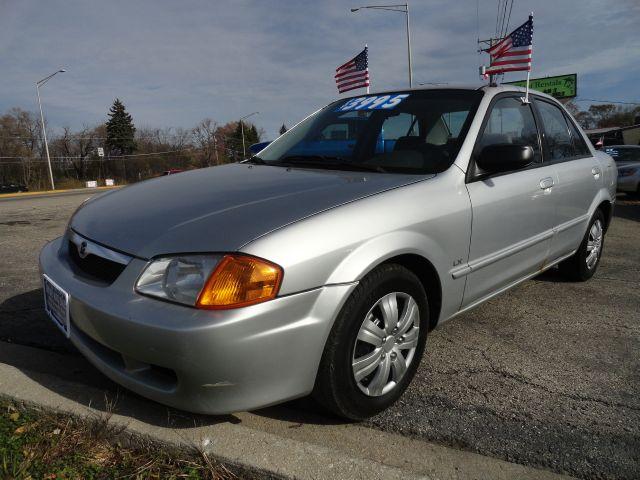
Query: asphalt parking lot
{"points": [[546, 375]]}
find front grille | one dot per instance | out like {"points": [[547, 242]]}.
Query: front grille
{"points": [[95, 267]]}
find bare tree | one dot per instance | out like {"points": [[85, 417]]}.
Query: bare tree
{"points": [[75, 149], [204, 136]]}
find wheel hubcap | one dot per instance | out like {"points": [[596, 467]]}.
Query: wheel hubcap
{"points": [[386, 343], [594, 244]]}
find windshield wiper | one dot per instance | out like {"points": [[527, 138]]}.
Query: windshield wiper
{"points": [[255, 160], [328, 162]]}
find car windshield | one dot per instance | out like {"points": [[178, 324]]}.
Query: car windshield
{"points": [[406, 132]]}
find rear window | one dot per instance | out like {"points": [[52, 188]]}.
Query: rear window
{"points": [[558, 141], [579, 146]]}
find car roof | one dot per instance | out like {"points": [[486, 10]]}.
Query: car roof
{"points": [[492, 90]]}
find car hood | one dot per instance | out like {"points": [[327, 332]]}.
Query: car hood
{"points": [[220, 208]]}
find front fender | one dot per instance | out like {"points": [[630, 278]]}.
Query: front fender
{"points": [[367, 256], [431, 218], [380, 249]]}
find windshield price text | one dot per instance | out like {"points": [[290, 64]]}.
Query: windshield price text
{"points": [[379, 102]]}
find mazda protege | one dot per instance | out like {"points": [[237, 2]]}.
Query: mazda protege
{"points": [[319, 265]]}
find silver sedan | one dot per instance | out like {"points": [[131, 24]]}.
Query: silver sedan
{"points": [[319, 265], [627, 158]]}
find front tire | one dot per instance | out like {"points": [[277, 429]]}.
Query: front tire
{"points": [[583, 264], [376, 344]]}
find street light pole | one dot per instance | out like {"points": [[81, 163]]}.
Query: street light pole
{"points": [[244, 151], [39, 84], [404, 8]]}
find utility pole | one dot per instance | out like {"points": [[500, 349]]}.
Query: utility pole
{"points": [[244, 151], [39, 84], [402, 8], [490, 42]]}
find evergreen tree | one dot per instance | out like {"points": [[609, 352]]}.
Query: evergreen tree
{"points": [[283, 129], [120, 130], [251, 136]]}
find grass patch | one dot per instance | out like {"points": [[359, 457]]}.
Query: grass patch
{"points": [[40, 445]]}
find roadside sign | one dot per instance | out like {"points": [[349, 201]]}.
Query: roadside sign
{"points": [[100, 152], [561, 86], [92, 184], [109, 182]]}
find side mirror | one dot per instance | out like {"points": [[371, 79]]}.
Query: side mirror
{"points": [[504, 157]]}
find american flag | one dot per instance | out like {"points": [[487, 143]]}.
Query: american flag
{"points": [[513, 52], [354, 73]]}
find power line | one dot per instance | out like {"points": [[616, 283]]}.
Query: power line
{"points": [[21, 160], [509, 18], [504, 14], [113, 157], [605, 101], [71, 137], [69, 157]]}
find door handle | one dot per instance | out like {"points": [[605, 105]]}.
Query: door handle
{"points": [[595, 171], [546, 183]]}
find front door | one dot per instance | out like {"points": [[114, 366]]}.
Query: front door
{"points": [[513, 212]]}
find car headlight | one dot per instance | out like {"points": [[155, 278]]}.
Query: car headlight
{"points": [[211, 281]]}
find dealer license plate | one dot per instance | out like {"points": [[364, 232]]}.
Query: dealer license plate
{"points": [[56, 304]]}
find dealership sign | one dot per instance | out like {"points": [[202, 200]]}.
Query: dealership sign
{"points": [[562, 86]]}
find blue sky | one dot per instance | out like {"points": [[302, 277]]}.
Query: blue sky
{"points": [[174, 63]]}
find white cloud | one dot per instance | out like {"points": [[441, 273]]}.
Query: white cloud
{"points": [[174, 63]]}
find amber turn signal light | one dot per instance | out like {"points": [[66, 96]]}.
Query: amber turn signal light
{"points": [[240, 281]]}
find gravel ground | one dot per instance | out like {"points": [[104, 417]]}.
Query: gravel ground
{"points": [[546, 375]]}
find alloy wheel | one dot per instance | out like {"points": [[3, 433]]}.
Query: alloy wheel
{"points": [[386, 343], [594, 244]]}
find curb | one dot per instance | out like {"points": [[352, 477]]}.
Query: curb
{"points": [[260, 442], [55, 192]]}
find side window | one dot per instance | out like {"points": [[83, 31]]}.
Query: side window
{"points": [[579, 146], [556, 132], [454, 122], [336, 131], [346, 127], [401, 125], [512, 122]]}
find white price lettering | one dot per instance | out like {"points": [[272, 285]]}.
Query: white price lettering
{"points": [[395, 101], [365, 102]]}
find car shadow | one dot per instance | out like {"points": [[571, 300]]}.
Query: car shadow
{"points": [[553, 275], [53, 362], [627, 207]]}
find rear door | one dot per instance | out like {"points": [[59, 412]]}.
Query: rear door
{"points": [[579, 176], [513, 212]]}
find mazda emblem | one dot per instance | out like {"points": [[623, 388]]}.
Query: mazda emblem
{"points": [[82, 250]]}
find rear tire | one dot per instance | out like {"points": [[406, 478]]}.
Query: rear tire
{"points": [[374, 348], [583, 264]]}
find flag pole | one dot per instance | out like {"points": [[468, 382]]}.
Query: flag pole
{"points": [[366, 47], [526, 95]]}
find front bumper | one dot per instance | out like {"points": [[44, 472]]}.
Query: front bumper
{"points": [[202, 361]]}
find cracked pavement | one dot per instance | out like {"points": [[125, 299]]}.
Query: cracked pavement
{"points": [[546, 375]]}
